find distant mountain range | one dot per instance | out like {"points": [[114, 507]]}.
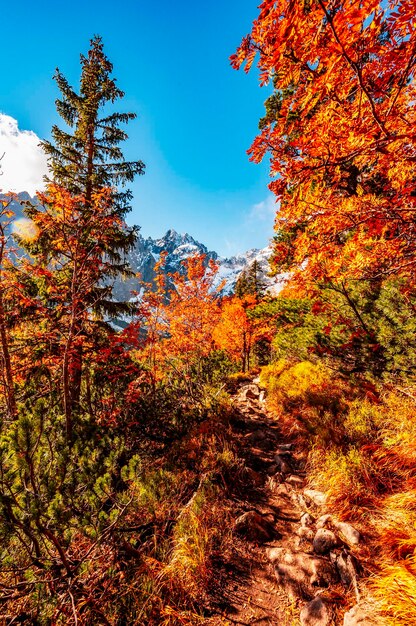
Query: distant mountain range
{"points": [[178, 247]]}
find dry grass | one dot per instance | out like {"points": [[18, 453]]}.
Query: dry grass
{"points": [[395, 592], [194, 538], [347, 478], [362, 453]]}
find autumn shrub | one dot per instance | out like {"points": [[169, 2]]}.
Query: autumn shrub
{"points": [[182, 498], [362, 421], [397, 428], [373, 458], [216, 401], [178, 577], [235, 380], [308, 397], [271, 372], [155, 489], [347, 477], [308, 384]]}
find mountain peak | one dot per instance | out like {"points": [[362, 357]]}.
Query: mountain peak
{"points": [[172, 240], [171, 234], [178, 248]]}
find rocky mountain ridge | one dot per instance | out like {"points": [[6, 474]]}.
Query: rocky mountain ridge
{"points": [[178, 247]]}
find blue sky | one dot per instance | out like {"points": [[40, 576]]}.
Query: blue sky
{"points": [[196, 116]]}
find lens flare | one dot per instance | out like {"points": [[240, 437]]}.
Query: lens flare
{"points": [[25, 229]]}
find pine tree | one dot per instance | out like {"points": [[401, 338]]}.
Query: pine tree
{"points": [[241, 286], [249, 282], [255, 285], [90, 158], [86, 236]]}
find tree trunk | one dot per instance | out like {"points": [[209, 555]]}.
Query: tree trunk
{"points": [[67, 392], [76, 377], [7, 366], [244, 352]]}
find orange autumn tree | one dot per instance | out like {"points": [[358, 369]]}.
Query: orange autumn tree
{"points": [[181, 336], [150, 324], [74, 259], [340, 131], [234, 332], [18, 308]]}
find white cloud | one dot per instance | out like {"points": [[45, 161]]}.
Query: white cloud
{"points": [[255, 228], [264, 211], [24, 163]]}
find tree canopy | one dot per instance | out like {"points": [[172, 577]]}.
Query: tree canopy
{"points": [[339, 129]]}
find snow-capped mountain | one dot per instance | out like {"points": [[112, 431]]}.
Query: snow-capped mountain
{"points": [[146, 253], [178, 247]]}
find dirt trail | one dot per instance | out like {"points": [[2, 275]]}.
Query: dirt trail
{"points": [[281, 577]]}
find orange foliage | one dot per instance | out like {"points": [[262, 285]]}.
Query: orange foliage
{"points": [[70, 247], [340, 131], [234, 331], [178, 333], [7, 285], [192, 311]]}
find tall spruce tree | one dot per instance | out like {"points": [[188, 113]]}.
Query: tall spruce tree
{"points": [[89, 158], [85, 162]]}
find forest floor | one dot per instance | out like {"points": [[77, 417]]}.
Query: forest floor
{"points": [[278, 575]]}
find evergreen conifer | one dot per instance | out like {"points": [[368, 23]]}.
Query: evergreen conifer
{"points": [[85, 240]]}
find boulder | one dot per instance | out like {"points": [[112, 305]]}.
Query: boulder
{"points": [[315, 613], [317, 497], [300, 572], [324, 541], [348, 532], [254, 527], [324, 521], [358, 616], [345, 565], [306, 519]]}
